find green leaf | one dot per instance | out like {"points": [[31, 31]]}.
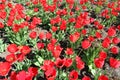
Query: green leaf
{"points": [[37, 63], [40, 59]]}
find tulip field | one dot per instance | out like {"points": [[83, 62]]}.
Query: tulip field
{"points": [[59, 39]]}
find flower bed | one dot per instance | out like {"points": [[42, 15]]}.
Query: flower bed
{"points": [[59, 39]]}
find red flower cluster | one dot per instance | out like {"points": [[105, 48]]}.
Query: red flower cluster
{"points": [[24, 75], [73, 34]]}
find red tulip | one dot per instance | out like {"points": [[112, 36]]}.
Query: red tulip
{"points": [[33, 71], [11, 58], [60, 62], [40, 45], [114, 50], [86, 78], [111, 32], [99, 62], [50, 47], [48, 35], [13, 75], [103, 77], [79, 63], [42, 35], [25, 50], [114, 63], [85, 44], [57, 51], [73, 75], [4, 68], [21, 75], [12, 48], [51, 74], [1, 25], [98, 35], [69, 51], [74, 37], [54, 28], [47, 65], [103, 55], [20, 57], [68, 62], [33, 35], [115, 40], [106, 42], [63, 25]]}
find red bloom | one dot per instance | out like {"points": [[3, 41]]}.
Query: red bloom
{"points": [[91, 38], [33, 71], [63, 25], [13, 75], [52, 7], [12, 48], [70, 1], [60, 62], [103, 77], [111, 4], [102, 55], [11, 58], [4, 68], [114, 50], [32, 26], [21, 75], [20, 57], [100, 26], [47, 65], [1, 25], [79, 63], [3, 14], [86, 78], [10, 5], [74, 37], [2, 7], [98, 35], [69, 51], [73, 75], [84, 31], [48, 35], [96, 23], [53, 41], [115, 40], [50, 74], [25, 50], [16, 28], [36, 9], [114, 63], [54, 28], [118, 27], [36, 20], [42, 35], [50, 47], [99, 62], [27, 18], [83, 1], [33, 35], [68, 62], [104, 13], [86, 44], [111, 32], [71, 20], [57, 51], [40, 45], [106, 42]]}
